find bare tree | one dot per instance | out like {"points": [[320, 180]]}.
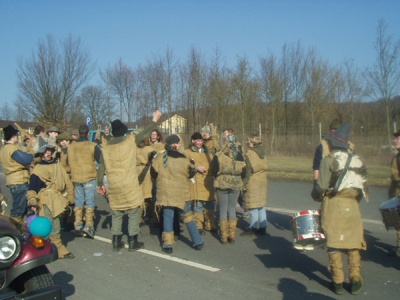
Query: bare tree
{"points": [[384, 77], [121, 82], [6, 112], [95, 103], [242, 86], [51, 78], [317, 88], [271, 92]]}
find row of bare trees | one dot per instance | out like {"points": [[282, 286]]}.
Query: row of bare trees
{"points": [[284, 94]]}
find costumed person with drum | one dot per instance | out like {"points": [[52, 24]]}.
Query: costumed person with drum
{"points": [[256, 187], [394, 189], [50, 191], [172, 171], [341, 184], [228, 168]]}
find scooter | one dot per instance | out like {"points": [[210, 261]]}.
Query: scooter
{"points": [[23, 259]]}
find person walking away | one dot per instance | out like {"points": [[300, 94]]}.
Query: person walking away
{"points": [[228, 168], [119, 160], [50, 192], [341, 185], [255, 184], [16, 164], [172, 170]]}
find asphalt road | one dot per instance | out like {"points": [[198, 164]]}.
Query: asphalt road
{"points": [[253, 268]]}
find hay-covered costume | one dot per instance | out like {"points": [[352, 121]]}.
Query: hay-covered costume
{"points": [[228, 168]]}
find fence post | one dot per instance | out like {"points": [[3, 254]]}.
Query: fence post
{"points": [[320, 130]]}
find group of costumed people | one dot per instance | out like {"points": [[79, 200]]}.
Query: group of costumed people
{"points": [[202, 184]]}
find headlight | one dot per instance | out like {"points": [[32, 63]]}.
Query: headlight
{"points": [[8, 247]]}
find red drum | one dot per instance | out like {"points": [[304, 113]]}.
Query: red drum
{"points": [[390, 211], [307, 231]]}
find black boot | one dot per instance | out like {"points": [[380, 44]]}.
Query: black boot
{"points": [[134, 244], [117, 243]]}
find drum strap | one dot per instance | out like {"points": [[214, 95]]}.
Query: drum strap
{"points": [[341, 176]]}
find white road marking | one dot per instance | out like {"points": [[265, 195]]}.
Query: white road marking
{"points": [[167, 257]]}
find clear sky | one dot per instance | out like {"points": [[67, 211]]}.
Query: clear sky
{"points": [[139, 30]]}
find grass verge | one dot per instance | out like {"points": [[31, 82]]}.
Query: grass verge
{"points": [[300, 168]]}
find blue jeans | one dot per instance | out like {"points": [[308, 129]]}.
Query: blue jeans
{"points": [[19, 205], [258, 215], [85, 193], [200, 204], [168, 213]]}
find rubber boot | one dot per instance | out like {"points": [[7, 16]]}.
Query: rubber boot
{"points": [[232, 231], [336, 266], [117, 244], [209, 222], [134, 244], [78, 223], [62, 250], [89, 222], [223, 228]]}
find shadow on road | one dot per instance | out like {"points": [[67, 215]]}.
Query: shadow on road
{"points": [[377, 251], [63, 279], [283, 255], [291, 289]]}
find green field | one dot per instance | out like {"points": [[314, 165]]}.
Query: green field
{"points": [[300, 168]]}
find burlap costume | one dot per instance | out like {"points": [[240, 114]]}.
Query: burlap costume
{"points": [[124, 192], [59, 189], [172, 181], [340, 215], [15, 172], [203, 186], [53, 199], [143, 169], [81, 159], [256, 186], [341, 218], [341, 184]]}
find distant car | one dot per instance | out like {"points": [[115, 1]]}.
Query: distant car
{"points": [[92, 133]]}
